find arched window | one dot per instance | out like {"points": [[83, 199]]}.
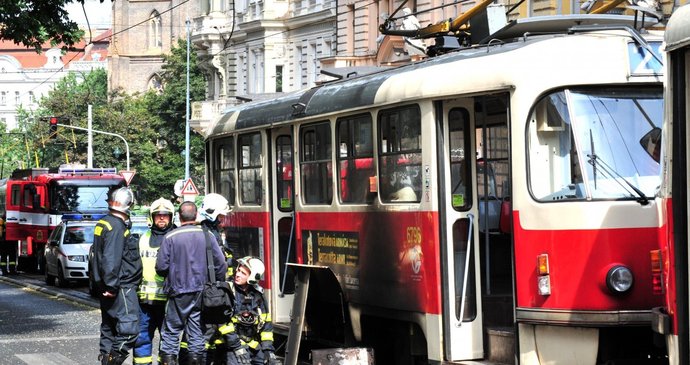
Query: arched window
{"points": [[155, 36], [155, 83]]}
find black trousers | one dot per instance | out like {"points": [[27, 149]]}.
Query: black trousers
{"points": [[119, 321]]}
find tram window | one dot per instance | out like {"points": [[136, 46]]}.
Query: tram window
{"points": [[460, 168], [400, 160], [587, 143], [355, 159], [316, 164], [250, 165], [224, 169], [284, 172]]}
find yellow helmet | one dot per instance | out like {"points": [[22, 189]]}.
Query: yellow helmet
{"points": [[159, 206]]}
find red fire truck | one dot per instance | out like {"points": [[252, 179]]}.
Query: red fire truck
{"points": [[32, 202]]}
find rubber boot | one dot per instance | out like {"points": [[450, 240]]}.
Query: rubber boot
{"points": [[167, 359], [194, 359], [116, 358], [184, 352]]}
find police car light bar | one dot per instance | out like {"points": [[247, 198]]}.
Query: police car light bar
{"points": [[81, 217], [87, 171]]}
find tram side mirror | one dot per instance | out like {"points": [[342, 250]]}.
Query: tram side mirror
{"points": [[651, 142]]}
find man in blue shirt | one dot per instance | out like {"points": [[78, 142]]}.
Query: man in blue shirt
{"points": [[182, 261]]}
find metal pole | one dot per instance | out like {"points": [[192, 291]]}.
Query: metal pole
{"points": [[186, 131], [106, 133], [89, 151]]}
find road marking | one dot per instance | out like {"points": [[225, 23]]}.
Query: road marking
{"points": [[48, 339], [51, 358]]}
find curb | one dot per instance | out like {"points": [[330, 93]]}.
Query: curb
{"points": [[51, 292]]}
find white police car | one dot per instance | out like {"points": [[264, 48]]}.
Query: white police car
{"points": [[67, 250], [139, 227]]}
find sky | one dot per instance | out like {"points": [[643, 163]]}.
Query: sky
{"points": [[99, 14]]}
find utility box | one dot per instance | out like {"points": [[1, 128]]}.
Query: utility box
{"points": [[340, 356]]}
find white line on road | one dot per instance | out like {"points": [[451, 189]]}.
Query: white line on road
{"points": [[52, 358], [48, 339]]}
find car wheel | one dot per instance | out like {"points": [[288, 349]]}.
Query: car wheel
{"points": [[50, 279], [62, 282]]}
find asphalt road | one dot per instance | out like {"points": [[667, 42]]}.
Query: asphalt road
{"points": [[44, 325]]}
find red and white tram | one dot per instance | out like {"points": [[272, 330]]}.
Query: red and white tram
{"points": [[492, 203], [672, 318]]}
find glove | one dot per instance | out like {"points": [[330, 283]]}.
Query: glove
{"points": [[242, 356], [271, 358]]}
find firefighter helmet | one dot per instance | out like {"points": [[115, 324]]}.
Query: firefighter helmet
{"points": [[121, 200], [214, 205], [161, 206], [256, 269]]}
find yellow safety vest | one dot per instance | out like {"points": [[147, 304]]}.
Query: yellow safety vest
{"points": [[151, 287]]}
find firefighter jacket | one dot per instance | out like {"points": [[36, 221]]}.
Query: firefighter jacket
{"points": [[251, 323], [214, 228], [182, 260], [151, 288], [116, 259]]}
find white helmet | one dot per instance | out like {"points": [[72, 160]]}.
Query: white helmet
{"points": [[121, 200], [163, 206], [256, 269], [214, 205]]}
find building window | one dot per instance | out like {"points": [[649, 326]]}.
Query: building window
{"points": [[155, 83], [17, 98], [3, 98], [155, 31], [279, 78], [32, 97]]}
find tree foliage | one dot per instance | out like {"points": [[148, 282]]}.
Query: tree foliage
{"points": [[37, 22], [153, 124]]}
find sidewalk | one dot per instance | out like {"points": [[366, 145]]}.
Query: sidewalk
{"points": [[68, 294]]}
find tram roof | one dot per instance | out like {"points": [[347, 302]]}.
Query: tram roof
{"points": [[351, 93], [677, 33]]}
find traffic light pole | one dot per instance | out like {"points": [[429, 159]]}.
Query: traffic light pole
{"points": [[101, 132]]}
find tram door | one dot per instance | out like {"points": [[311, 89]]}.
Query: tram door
{"points": [[283, 244], [463, 338]]}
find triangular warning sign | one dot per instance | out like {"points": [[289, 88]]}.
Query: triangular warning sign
{"points": [[189, 188], [128, 175]]}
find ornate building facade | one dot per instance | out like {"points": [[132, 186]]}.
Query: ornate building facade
{"points": [[144, 31]]}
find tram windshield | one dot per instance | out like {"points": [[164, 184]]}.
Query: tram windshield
{"points": [[596, 144]]}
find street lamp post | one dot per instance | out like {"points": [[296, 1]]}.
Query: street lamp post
{"points": [[102, 132]]}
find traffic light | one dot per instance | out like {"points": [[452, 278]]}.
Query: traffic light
{"points": [[53, 127]]}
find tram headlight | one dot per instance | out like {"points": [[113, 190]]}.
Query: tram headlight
{"points": [[619, 279]]}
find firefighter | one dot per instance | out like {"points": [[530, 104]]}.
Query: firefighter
{"points": [[249, 333], [152, 298], [117, 272], [213, 208]]}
